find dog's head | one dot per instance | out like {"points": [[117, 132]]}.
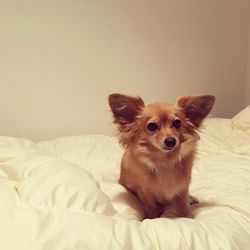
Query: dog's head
{"points": [[159, 126]]}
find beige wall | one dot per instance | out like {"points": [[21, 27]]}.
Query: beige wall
{"points": [[60, 59]]}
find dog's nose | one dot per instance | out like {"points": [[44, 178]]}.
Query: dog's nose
{"points": [[170, 142]]}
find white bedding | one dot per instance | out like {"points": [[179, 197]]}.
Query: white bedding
{"points": [[63, 194]]}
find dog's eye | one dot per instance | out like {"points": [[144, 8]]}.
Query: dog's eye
{"points": [[176, 123], [152, 126]]}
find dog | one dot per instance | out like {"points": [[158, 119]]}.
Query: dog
{"points": [[160, 142]]}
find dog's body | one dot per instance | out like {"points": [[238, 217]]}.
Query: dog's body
{"points": [[160, 145]]}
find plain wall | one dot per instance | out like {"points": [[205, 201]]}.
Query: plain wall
{"points": [[61, 59]]}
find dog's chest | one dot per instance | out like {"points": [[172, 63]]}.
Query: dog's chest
{"points": [[160, 179], [167, 183]]}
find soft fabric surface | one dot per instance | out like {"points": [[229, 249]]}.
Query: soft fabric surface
{"points": [[63, 194]]}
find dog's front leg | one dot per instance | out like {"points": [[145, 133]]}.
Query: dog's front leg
{"points": [[183, 205], [151, 208]]}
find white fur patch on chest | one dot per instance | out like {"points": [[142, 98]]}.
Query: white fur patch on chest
{"points": [[150, 165]]}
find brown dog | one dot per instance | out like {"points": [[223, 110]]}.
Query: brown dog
{"points": [[160, 145]]}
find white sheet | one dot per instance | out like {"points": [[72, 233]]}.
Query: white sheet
{"points": [[63, 194]]}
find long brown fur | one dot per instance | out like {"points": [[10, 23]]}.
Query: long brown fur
{"points": [[158, 158]]}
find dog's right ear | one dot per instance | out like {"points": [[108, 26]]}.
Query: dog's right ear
{"points": [[125, 108], [196, 108]]}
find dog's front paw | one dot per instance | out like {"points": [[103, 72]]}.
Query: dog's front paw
{"points": [[153, 213], [193, 201], [185, 212], [177, 213]]}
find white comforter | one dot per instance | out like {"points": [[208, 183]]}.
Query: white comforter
{"points": [[63, 194]]}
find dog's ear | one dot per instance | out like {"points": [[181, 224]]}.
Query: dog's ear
{"points": [[125, 108], [196, 108]]}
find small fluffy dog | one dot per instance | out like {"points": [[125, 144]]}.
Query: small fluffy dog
{"points": [[160, 145]]}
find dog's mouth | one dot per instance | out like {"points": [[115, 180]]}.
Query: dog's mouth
{"points": [[169, 149]]}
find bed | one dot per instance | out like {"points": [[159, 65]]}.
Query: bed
{"points": [[63, 194]]}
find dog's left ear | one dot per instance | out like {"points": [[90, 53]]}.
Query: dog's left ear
{"points": [[196, 108]]}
